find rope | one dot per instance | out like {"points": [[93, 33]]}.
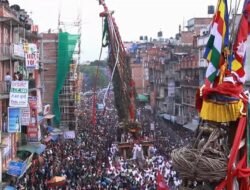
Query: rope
{"points": [[96, 77], [116, 61], [202, 163]]}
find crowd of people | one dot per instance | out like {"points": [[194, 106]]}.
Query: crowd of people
{"points": [[93, 161]]}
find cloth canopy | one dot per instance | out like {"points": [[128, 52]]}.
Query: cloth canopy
{"points": [[33, 148], [9, 188]]}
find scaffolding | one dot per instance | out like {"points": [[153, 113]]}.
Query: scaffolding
{"points": [[69, 97]]}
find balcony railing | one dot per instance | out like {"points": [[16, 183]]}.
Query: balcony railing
{"points": [[8, 50], [4, 87], [190, 83], [5, 51]]}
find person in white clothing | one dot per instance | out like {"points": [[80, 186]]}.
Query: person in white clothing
{"points": [[8, 80]]}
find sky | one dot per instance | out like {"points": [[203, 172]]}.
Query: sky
{"points": [[134, 18]]}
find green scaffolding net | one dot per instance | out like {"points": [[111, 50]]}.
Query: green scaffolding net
{"points": [[66, 46]]}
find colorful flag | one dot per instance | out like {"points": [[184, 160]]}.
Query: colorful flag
{"points": [[161, 184], [217, 42], [239, 47]]}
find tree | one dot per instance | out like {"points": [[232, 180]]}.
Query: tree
{"points": [[89, 72]]}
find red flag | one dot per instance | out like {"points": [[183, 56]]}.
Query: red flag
{"points": [[161, 184], [239, 47]]}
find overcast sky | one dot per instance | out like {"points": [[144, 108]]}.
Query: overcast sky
{"points": [[133, 17]]}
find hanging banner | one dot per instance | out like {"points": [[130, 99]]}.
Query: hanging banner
{"points": [[14, 120], [69, 135], [25, 119], [32, 61], [30, 48], [19, 94], [32, 133], [33, 110], [31, 56]]}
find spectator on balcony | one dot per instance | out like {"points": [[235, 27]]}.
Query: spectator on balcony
{"points": [[8, 80], [20, 76], [16, 76]]}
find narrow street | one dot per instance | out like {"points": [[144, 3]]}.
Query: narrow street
{"points": [[93, 161]]}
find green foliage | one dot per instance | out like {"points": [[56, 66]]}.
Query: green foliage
{"points": [[89, 72]]}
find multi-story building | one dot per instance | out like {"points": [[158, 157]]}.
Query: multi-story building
{"points": [[48, 56], [70, 93], [18, 37], [139, 65]]}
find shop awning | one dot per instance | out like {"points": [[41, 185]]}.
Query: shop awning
{"points": [[33, 148], [9, 188], [56, 131], [49, 116], [191, 126], [142, 98]]}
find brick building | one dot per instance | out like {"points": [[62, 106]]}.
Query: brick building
{"points": [[48, 55]]}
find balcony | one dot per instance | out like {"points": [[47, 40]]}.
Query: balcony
{"points": [[5, 52], [190, 83], [4, 90], [17, 51], [8, 51]]}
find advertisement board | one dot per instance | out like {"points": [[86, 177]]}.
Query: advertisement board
{"points": [[69, 135], [32, 60], [33, 110], [18, 50], [19, 94], [14, 120], [25, 113], [31, 56], [16, 168], [32, 133]]}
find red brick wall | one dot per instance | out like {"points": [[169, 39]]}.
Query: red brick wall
{"points": [[137, 75], [187, 37], [49, 44]]}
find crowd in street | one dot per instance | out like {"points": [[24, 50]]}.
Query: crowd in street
{"points": [[92, 160]]}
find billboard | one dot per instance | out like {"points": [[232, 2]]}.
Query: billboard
{"points": [[33, 110], [14, 120], [16, 168], [25, 113], [32, 133], [31, 56], [19, 94]]}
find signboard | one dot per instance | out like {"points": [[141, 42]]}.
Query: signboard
{"points": [[69, 135], [33, 109], [19, 94], [16, 168], [25, 113], [18, 50], [14, 120], [32, 133], [30, 48], [32, 60], [31, 56]]}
